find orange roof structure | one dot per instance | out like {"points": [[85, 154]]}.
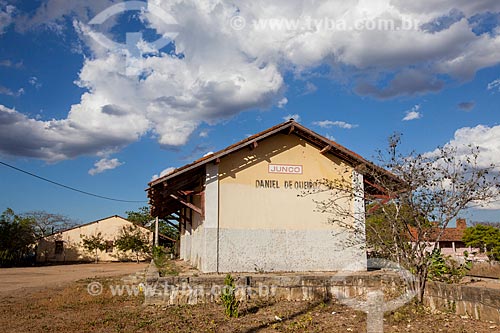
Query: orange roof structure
{"points": [[447, 235]]}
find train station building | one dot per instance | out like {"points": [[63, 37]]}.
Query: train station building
{"points": [[259, 204]]}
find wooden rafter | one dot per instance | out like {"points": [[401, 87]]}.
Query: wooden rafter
{"points": [[187, 204], [325, 150], [381, 196], [378, 187], [186, 192], [181, 189], [378, 205]]}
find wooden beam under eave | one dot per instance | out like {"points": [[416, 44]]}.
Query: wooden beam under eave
{"points": [[187, 204], [290, 131], [325, 150], [254, 145], [378, 205], [378, 187], [217, 161], [186, 192], [380, 196]]}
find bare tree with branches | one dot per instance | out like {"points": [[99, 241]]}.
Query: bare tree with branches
{"points": [[408, 216], [45, 223]]}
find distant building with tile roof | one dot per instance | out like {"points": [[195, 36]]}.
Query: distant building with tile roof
{"points": [[451, 243]]}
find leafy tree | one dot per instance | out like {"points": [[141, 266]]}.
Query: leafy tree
{"points": [[94, 243], [131, 238], [17, 239], [143, 218], [140, 217], [432, 190], [484, 237]]}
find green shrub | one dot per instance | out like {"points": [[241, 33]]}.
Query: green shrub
{"points": [[446, 269], [228, 297]]}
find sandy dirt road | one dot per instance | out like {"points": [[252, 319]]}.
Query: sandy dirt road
{"points": [[20, 281]]}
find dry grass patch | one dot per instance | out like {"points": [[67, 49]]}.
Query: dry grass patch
{"points": [[72, 309]]}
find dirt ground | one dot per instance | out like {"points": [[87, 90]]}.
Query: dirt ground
{"points": [[27, 279], [68, 307]]}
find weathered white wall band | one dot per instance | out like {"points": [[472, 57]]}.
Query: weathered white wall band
{"points": [[287, 251]]}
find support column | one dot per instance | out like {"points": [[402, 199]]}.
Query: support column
{"points": [[185, 235], [211, 223], [156, 231], [358, 207]]}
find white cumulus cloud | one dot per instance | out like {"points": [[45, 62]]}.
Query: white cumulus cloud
{"points": [[336, 123], [282, 102], [487, 140], [163, 173], [103, 165], [413, 113], [485, 137], [216, 72]]}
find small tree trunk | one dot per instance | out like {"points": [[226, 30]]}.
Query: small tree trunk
{"points": [[422, 282], [96, 256], [423, 285]]}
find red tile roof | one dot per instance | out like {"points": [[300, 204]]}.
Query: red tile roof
{"points": [[448, 234]]}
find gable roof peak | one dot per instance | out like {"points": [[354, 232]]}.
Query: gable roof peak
{"points": [[290, 127]]}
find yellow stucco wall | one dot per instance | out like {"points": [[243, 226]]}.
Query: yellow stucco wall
{"points": [[245, 204], [73, 249]]}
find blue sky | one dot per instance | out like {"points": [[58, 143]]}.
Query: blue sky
{"points": [[107, 118]]}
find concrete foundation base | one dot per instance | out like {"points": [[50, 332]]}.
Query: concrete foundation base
{"points": [[289, 287]]}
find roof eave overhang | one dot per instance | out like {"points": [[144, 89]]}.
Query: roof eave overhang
{"points": [[362, 165], [219, 154]]}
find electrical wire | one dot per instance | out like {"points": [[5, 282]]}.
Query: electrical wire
{"points": [[68, 187]]}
